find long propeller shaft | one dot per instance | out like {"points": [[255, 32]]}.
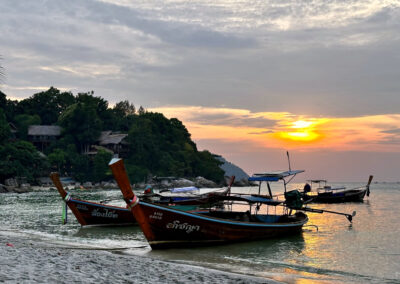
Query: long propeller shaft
{"points": [[348, 216]]}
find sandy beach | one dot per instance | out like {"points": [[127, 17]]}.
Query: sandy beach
{"points": [[28, 261]]}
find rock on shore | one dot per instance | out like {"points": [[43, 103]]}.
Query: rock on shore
{"points": [[12, 185]]}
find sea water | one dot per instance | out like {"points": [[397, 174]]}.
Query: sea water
{"points": [[329, 249]]}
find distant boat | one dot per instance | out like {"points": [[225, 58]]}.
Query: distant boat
{"points": [[166, 227], [90, 213], [188, 195], [319, 192]]}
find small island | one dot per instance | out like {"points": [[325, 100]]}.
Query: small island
{"points": [[76, 135]]}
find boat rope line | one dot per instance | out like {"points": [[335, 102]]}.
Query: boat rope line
{"points": [[133, 202], [67, 197], [65, 209]]}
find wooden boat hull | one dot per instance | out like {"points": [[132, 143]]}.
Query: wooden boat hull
{"points": [[168, 228], [337, 197], [90, 213]]}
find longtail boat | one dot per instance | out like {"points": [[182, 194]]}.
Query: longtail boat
{"points": [[188, 195], [90, 213], [166, 227], [327, 194]]}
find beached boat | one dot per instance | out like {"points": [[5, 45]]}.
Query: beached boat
{"points": [[324, 193], [166, 227], [92, 213]]}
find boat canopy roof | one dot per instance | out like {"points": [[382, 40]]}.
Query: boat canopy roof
{"points": [[273, 176], [252, 199], [184, 189]]}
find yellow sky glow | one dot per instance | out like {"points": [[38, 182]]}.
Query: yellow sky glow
{"points": [[291, 131], [302, 124]]}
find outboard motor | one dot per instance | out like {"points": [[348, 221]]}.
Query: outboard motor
{"points": [[294, 199]]}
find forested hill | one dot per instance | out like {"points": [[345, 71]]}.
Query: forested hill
{"points": [[154, 145]]}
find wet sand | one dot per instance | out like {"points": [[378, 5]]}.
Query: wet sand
{"points": [[29, 261]]}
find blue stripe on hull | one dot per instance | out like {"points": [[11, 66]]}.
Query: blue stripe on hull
{"points": [[98, 205], [217, 220]]}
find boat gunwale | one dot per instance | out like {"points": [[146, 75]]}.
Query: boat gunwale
{"points": [[224, 221], [97, 204]]}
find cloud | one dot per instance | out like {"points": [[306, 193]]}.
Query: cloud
{"points": [[242, 72], [393, 137], [231, 120], [223, 116], [289, 130], [392, 131], [329, 164], [261, 132], [329, 59]]}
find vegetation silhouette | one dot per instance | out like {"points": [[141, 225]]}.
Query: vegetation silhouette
{"points": [[154, 145]]}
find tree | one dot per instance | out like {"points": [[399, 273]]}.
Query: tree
{"points": [[143, 149], [101, 170], [208, 167], [125, 108], [23, 121], [82, 123], [162, 146], [10, 109], [100, 105], [4, 128], [21, 159], [58, 158], [81, 167], [48, 105], [77, 165], [141, 110], [157, 145], [3, 100]]}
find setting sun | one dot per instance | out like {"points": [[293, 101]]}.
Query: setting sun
{"points": [[301, 124], [304, 136], [304, 131]]}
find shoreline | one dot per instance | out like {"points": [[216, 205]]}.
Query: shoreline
{"points": [[12, 185], [24, 259]]}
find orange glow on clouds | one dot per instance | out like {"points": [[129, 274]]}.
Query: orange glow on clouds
{"points": [[290, 131]]}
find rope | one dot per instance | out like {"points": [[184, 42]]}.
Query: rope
{"points": [[134, 202], [64, 213], [67, 197], [65, 208]]}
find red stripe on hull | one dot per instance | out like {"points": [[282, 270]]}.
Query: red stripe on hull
{"points": [[98, 214]]}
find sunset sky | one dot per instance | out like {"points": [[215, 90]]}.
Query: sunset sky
{"points": [[249, 79]]}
